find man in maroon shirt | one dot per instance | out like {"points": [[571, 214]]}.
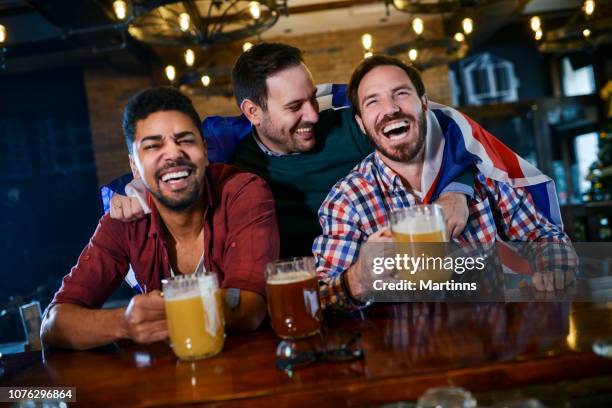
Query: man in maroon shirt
{"points": [[203, 216]]}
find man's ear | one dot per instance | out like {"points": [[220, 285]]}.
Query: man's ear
{"points": [[251, 111], [360, 123], [134, 168], [425, 102]]}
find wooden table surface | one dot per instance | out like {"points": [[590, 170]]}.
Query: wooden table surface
{"points": [[408, 348]]}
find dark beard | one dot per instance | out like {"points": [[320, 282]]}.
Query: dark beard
{"points": [[404, 153], [289, 143], [189, 198], [180, 204]]}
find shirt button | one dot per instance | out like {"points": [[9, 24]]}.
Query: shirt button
{"points": [[233, 245], [86, 257]]}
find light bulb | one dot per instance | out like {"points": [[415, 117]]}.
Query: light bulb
{"points": [[417, 26], [586, 32], [254, 10], [184, 21], [246, 46], [2, 34], [189, 57], [413, 54], [468, 25], [538, 34], [205, 80], [589, 7], [120, 8], [535, 23], [170, 73], [459, 37], [366, 41]]}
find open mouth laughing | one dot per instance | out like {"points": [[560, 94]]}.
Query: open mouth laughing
{"points": [[305, 131], [176, 177], [396, 129]]}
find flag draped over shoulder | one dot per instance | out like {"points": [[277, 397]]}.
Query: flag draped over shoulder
{"points": [[455, 142]]}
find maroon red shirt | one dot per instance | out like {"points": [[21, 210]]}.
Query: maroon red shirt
{"points": [[240, 237]]}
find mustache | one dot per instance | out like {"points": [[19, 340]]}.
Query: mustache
{"points": [[390, 118], [180, 162]]}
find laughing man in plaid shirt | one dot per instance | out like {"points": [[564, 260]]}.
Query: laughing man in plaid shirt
{"points": [[389, 101]]}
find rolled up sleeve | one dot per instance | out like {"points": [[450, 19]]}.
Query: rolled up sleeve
{"points": [[252, 235]]}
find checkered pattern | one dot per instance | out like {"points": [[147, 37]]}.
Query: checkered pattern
{"points": [[358, 205]]}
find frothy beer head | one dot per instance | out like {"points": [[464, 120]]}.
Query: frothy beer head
{"points": [[418, 224], [289, 277]]}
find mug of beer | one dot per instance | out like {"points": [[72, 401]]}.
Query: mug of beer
{"points": [[420, 231], [195, 315], [293, 298]]}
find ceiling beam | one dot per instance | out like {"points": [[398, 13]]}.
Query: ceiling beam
{"points": [[332, 5]]}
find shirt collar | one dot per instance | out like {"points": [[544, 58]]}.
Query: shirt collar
{"points": [[390, 178], [267, 151], [157, 224]]}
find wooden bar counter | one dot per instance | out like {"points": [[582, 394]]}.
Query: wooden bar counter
{"points": [[407, 348]]}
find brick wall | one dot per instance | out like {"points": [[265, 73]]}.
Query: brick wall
{"points": [[107, 93], [330, 56]]}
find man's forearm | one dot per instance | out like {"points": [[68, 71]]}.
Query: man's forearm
{"points": [[76, 327], [249, 313], [337, 294]]}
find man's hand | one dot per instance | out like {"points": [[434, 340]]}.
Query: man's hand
{"points": [[456, 212], [382, 235], [145, 318], [125, 208], [553, 280], [358, 282]]}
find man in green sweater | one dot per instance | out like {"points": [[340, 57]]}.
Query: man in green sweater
{"points": [[298, 150]]}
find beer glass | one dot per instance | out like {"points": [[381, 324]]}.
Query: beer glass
{"points": [[293, 298], [195, 315], [420, 231]]}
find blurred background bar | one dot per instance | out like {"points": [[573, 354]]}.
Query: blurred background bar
{"points": [[535, 73]]}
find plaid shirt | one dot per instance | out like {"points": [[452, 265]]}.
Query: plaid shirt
{"points": [[357, 206]]}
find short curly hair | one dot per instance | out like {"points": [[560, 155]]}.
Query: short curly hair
{"points": [[151, 100]]}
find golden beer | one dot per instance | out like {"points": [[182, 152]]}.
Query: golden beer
{"points": [[434, 236], [195, 316], [420, 231]]}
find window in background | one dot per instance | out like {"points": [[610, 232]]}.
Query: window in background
{"points": [[586, 147], [65, 146], [489, 79], [579, 81]]}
